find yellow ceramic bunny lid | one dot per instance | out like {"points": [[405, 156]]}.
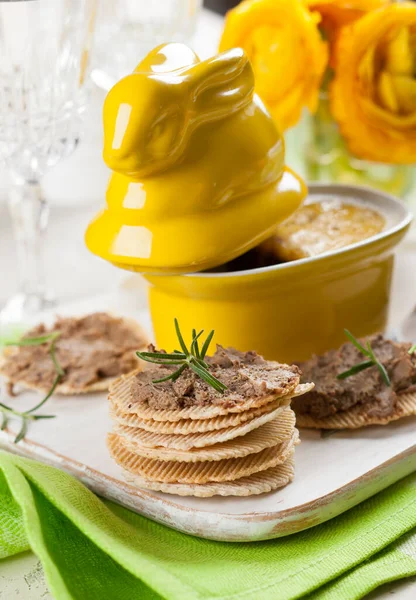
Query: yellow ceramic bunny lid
{"points": [[198, 165]]}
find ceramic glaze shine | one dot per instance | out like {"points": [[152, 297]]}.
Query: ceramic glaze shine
{"points": [[198, 165]]}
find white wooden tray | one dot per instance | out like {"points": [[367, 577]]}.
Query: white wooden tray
{"points": [[332, 474]]}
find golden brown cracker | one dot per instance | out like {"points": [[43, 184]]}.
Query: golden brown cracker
{"points": [[199, 472], [65, 389], [257, 483], [200, 440], [268, 435], [120, 395], [188, 426], [355, 418]]}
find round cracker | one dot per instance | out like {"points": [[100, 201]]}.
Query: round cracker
{"points": [[66, 389], [272, 433], [354, 418], [199, 472], [257, 483], [147, 439], [120, 395], [188, 426]]}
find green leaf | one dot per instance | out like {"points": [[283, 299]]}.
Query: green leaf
{"points": [[192, 358], [161, 355], [33, 341], [208, 378], [173, 376], [179, 372], [379, 366], [46, 398], [8, 409], [180, 338], [28, 415], [201, 363], [356, 342], [207, 342], [22, 433], [355, 369], [412, 349], [4, 421], [39, 417], [55, 361], [194, 344], [166, 363], [196, 347]]}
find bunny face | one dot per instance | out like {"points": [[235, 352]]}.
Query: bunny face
{"points": [[150, 115], [143, 125]]}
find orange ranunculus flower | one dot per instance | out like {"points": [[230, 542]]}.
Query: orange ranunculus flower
{"points": [[373, 94], [289, 57], [337, 13]]}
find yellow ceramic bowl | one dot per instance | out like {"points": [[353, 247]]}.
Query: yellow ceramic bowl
{"points": [[289, 311]]}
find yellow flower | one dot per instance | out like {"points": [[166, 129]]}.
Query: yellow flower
{"points": [[373, 94], [283, 42], [337, 13]]}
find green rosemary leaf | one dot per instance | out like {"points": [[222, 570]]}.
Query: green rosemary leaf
{"points": [[379, 365], [412, 349], [46, 398], [356, 343], [194, 344], [173, 376], [180, 338], [162, 355], [201, 363], [372, 361], [28, 415], [4, 421], [384, 374], [207, 342], [185, 359], [179, 372], [208, 378], [355, 369], [39, 417], [166, 363], [52, 352], [34, 341], [22, 433]]}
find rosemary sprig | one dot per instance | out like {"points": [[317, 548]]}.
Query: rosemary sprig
{"points": [[27, 415], [192, 358], [371, 360]]}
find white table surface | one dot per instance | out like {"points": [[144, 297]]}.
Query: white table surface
{"points": [[76, 191]]}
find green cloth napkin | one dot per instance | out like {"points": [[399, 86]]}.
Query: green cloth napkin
{"points": [[92, 549]]}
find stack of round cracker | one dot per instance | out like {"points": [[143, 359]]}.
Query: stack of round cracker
{"points": [[205, 450]]}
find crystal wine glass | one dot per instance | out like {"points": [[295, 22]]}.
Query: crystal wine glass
{"points": [[45, 48]]}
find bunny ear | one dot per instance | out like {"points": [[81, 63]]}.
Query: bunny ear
{"points": [[222, 84], [168, 57]]}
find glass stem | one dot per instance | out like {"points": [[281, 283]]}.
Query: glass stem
{"points": [[29, 211]]}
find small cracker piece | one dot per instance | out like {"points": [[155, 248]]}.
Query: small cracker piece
{"points": [[199, 472], [354, 418], [257, 483], [272, 433]]}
